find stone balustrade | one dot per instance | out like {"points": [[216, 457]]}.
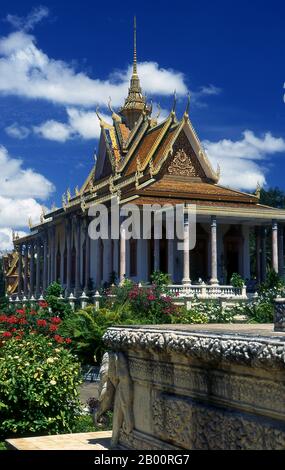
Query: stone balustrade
{"points": [[182, 294]]}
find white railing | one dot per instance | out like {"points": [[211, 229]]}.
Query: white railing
{"points": [[182, 293], [205, 291]]}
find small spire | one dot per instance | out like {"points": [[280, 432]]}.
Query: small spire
{"points": [[135, 47], [186, 113], [174, 102]]}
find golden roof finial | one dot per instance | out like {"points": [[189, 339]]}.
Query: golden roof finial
{"points": [[186, 112], [174, 103], [68, 194], [258, 189], [64, 199], [158, 111], [218, 171], [77, 192], [135, 71], [30, 223]]}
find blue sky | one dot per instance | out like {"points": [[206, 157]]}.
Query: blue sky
{"points": [[58, 60]]}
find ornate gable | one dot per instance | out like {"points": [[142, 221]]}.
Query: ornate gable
{"points": [[184, 161]]}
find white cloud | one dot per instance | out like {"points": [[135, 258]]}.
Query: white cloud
{"points": [[28, 22], [17, 182], [54, 130], [6, 239], [27, 71], [243, 162], [16, 212], [19, 189], [86, 124], [17, 131]]}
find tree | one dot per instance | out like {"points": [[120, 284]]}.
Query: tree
{"points": [[274, 197]]}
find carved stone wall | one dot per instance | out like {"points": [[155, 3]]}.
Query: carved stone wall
{"points": [[204, 389]]}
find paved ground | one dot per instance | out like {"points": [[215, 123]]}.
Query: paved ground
{"points": [[82, 441], [88, 390]]}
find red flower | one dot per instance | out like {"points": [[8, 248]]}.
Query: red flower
{"points": [[41, 322], [53, 328], [33, 312], [3, 318], [43, 304], [13, 330], [151, 297], [21, 311], [18, 337], [55, 320], [68, 340], [58, 338], [12, 319], [6, 334], [23, 321]]}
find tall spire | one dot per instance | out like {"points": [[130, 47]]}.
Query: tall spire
{"points": [[135, 103], [135, 47]]}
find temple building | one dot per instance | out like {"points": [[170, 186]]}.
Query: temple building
{"points": [[143, 161]]}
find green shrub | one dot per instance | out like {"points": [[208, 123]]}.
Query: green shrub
{"points": [[57, 306], [38, 387], [237, 280]]}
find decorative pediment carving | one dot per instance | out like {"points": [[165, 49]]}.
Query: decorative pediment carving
{"points": [[185, 161], [182, 165]]}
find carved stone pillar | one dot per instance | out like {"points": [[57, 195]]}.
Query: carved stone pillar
{"points": [[122, 255], [214, 268], [186, 252], [77, 222], [20, 269], [275, 246], [281, 250], [45, 261], [52, 254], [38, 267], [68, 235], [32, 260], [87, 255], [26, 271], [156, 254]]}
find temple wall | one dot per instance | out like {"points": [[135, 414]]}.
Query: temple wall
{"points": [[199, 387]]}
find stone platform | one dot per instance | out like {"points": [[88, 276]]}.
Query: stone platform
{"points": [[80, 441], [198, 386]]}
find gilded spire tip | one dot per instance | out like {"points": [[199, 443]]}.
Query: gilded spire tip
{"points": [[135, 71]]}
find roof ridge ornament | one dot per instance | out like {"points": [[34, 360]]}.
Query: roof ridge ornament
{"points": [[174, 103], [186, 112], [258, 190], [115, 116]]}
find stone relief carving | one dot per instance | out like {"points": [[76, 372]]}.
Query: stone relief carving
{"points": [[185, 161], [193, 425], [182, 165], [233, 388], [116, 392], [265, 353]]}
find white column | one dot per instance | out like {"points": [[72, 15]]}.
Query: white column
{"points": [[26, 270], [156, 254], [122, 255], [186, 252], [281, 250], [20, 271], [214, 271], [275, 246]]}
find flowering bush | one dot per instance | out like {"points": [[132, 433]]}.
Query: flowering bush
{"points": [[149, 304], [27, 321], [38, 387]]}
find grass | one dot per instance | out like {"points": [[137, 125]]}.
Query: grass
{"points": [[84, 423]]}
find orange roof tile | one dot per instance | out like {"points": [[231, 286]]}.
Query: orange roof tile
{"points": [[143, 149], [173, 187]]}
